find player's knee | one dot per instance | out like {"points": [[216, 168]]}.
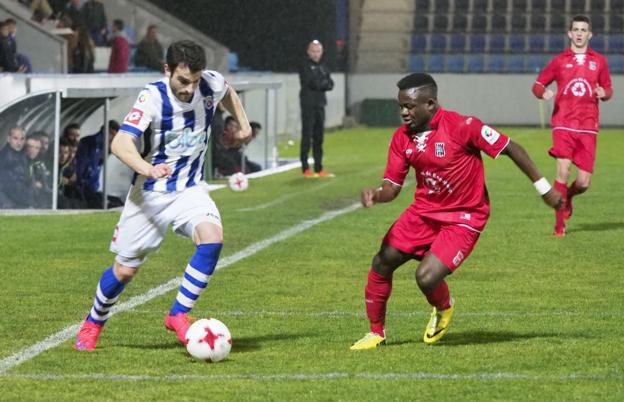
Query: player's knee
{"points": [[426, 278], [206, 233], [124, 273], [582, 184], [382, 265]]}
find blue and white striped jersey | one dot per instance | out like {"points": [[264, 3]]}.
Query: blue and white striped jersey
{"points": [[178, 131]]}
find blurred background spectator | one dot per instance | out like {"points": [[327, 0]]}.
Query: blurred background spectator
{"points": [[94, 18], [149, 52], [39, 177], [14, 172], [83, 52], [120, 49], [23, 61]]}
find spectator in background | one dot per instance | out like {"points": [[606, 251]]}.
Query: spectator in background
{"points": [[14, 171], [46, 155], [58, 7], [89, 160], [94, 18], [229, 160], [120, 49], [315, 81], [149, 52], [72, 133], [83, 54], [68, 195], [39, 177], [41, 10], [8, 62], [74, 14], [22, 60]]}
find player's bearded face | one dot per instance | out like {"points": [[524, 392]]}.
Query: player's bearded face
{"points": [[417, 108], [184, 82]]}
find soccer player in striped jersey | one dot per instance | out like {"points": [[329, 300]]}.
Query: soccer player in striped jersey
{"points": [[173, 116]]}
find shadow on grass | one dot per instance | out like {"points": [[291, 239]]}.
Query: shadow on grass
{"points": [[477, 338], [597, 227]]}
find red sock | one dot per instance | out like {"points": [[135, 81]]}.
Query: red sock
{"points": [[563, 189], [377, 292], [440, 297]]}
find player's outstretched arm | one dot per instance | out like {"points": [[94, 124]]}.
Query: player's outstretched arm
{"points": [[522, 159], [233, 104], [386, 193], [124, 147]]}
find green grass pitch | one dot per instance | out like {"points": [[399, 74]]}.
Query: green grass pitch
{"points": [[537, 318]]}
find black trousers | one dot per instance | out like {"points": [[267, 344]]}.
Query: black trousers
{"points": [[312, 131]]}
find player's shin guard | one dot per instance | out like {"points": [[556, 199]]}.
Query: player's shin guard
{"points": [[377, 292], [196, 277], [560, 213], [108, 291], [440, 297]]}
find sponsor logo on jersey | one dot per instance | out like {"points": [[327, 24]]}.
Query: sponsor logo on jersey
{"points": [[439, 149], [592, 65], [489, 134], [578, 87], [458, 258], [134, 117], [184, 142], [435, 183]]}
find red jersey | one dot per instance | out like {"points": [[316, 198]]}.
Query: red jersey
{"points": [[449, 170], [577, 76]]}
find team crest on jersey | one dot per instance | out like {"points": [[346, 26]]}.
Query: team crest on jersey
{"points": [[592, 65], [143, 97], [489, 134], [439, 149], [208, 102], [134, 117]]}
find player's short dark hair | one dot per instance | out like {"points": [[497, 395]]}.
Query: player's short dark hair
{"points": [[255, 125], [41, 133], [187, 52], [71, 126], [34, 136], [581, 18], [417, 80], [228, 120], [119, 24], [10, 21], [64, 142]]}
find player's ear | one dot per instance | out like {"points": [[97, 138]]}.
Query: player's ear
{"points": [[167, 70], [432, 103]]}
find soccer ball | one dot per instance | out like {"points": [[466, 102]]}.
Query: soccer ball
{"points": [[238, 182], [208, 339]]}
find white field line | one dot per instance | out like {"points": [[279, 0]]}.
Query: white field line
{"points": [[329, 314], [324, 376], [56, 339]]}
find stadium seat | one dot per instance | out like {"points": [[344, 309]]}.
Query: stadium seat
{"points": [[477, 43], [421, 23], [577, 7], [519, 5], [537, 43], [515, 63], [557, 43], [497, 43], [597, 5], [455, 63], [462, 5], [598, 43], [616, 43], [537, 22], [498, 23], [518, 22], [459, 22], [475, 63], [616, 23], [557, 22], [441, 6], [499, 6], [417, 62], [516, 43], [435, 63], [538, 6], [617, 6], [536, 62], [422, 6], [440, 23], [616, 63], [419, 43], [599, 23], [437, 43], [496, 63], [458, 42], [479, 22], [557, 6]]}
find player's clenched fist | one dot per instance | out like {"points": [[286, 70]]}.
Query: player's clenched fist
{"points": [[368, 196], [160, 170]]}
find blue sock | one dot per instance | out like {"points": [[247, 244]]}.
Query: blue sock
{"points": [[108, 291], [196, 277]]}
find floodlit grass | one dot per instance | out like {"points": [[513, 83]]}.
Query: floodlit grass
{"points": [[538, 317]]}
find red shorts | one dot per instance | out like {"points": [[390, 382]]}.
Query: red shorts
{"points": [[413, 234], [580, 148]]}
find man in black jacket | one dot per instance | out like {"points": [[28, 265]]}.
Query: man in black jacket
{"points": [[315, 81], [14, 181]]}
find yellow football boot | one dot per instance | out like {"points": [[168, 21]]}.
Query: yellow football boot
{"points": [[370, 341], [438, 324]]}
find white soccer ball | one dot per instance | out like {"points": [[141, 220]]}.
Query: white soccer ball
{"points": [[238, 182], [208, 339]]}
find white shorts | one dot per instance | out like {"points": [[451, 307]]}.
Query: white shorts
{"points": [[147, 215]]}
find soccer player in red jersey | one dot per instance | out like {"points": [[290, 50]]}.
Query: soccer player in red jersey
{"points": [[451, 206], [582, 77]]}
